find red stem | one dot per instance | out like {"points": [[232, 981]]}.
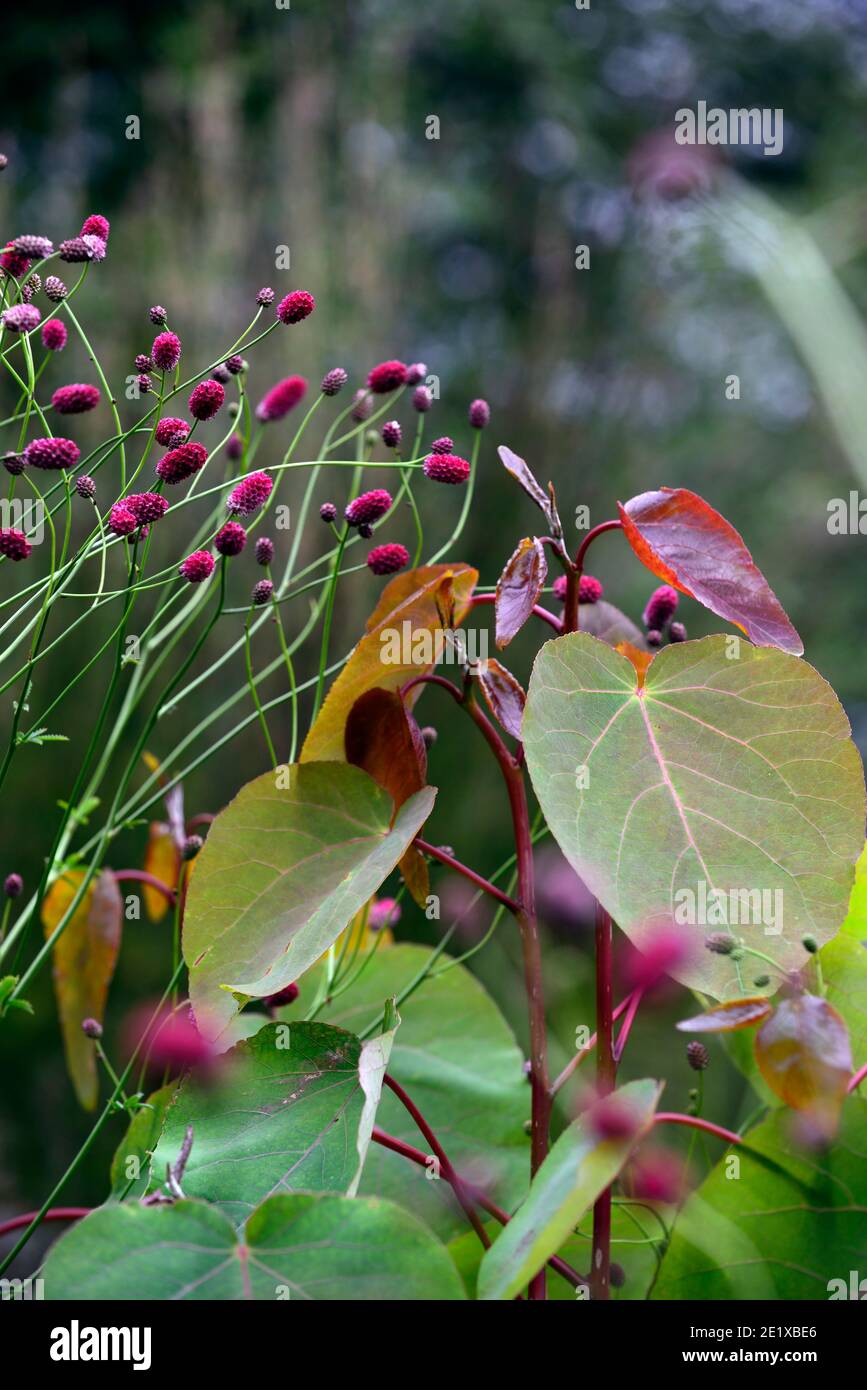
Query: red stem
{"points": [[53, 1214], [398, 1146], [606, 1080], [432, 680], [591, 537], [140, 876], [671, 1117], [857, 1079], [626, 1029], [451, 863], [538, 611], [586, 1049]]}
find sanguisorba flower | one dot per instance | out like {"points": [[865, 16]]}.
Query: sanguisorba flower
{"points": [[55, 290], [15, 263], [86, 487], [77, 249], [75, 399], [14, 544], [479, 414], [54, 335], [416, 372], [121, 520], [249, 494], [166, 351], [262, 592], [422, 399], [446, 468], [157, 314], [388, 559], [206, 399], [52, 453], [181, 463], [146, 507], [197, 567], [96, 225], [36, 248], [171, 431], [281, 399], [21, 318], [264, 550], [391, 434], [231, 538], [443, 445], [387, 376], [590, 589], [660, 607], [296, 306], [369, 507], [333, 381]]}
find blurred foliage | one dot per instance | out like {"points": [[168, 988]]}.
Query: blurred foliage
{"points": [[307, 127]]}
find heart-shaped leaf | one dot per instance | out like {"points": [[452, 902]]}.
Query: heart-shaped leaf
{"points": [[382, 737], [282, 1115], [579, 1168], [683, 540], [285, 867], [518, 588], [504, 694], [303, 1247], [804, 1054], [405, 637], [725, 792], [84, 960], [728, 1017]]}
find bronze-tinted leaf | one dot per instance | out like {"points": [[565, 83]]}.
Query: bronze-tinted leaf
{"points": [[84, 960], [505, 695], [523, 475], [803, 1052], [684, 541], [725, 1018], [518, 588]]}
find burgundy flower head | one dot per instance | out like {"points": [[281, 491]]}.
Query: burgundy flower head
{"points": [[677, 632], [15, 263], [121, 520], [391, 434], [264, 550], [265, 296], [22, 318], [281, 398], [388, 559], [250, 493], [206, 399], [52, 453], [36, 248], [559, 588], [333, 381], [13, 885], [171, 431], [182, 462], [143, 363], [422, 399], [75, 399], [197, 567], [328, 512], [76, 250], [295, 307], [660, 607], [446, 468], [231, 538], [96, 246], [362, 406], [55, 290], [144, 384], [234, 447], [166, 351], [370, 506], [234, 364], [416, 372], [157, 314], [14, 544], [85, 487], [387, 376], [589, 589], [262, 592], [14, 464], [146, 506], [443, 445], [479, 414], [96, 225]]}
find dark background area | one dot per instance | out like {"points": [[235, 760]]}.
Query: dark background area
{"points": [[263, 127]]}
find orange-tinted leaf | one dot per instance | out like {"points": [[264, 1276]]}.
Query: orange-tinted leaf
{"points": [[684, 541], [384, 739], [84, 960], [163, 861], [406, 621], [518, 588], [725, 1018], [804, 1055], [640, 660], [504, 694]]}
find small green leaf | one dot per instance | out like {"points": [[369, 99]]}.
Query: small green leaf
{"points": [[130, 1167], [578, 1169], [302, 1247], [372, 1066]]}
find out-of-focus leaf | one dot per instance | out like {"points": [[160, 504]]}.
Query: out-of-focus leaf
{"points": [[729, 781], [504, 694], [404, 629], [163, 861], [725, 1018], [383, 738], [683, 540], [856, 918], [578, 1169], [521, 472], [518, 588], [606, 622], [284, 869], [304, 1247], [84, 960], [803, 1053]]}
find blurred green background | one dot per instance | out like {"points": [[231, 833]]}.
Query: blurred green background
{"points": [[263, 127]]}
